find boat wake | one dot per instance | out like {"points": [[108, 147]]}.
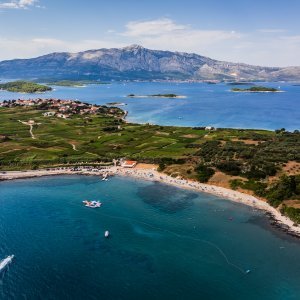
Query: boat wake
{"points": [[5, 262]]}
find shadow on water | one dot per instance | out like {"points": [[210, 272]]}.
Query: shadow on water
{"points": [[166, 198], [126, 258], [50, 181], [263, 222]]}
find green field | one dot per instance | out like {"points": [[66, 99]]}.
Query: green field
{"points": [[97, 137]]}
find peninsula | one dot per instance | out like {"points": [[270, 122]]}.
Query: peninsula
{"points": [[73, 83], [51, 133]]}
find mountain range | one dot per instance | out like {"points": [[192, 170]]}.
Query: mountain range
{"points": [[137, 63]]}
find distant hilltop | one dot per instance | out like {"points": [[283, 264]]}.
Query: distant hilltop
{"points": [[138, 63]]}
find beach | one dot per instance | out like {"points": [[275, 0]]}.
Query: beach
{"points": [[150, 173]]}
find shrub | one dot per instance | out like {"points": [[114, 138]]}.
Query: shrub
{"points": [[204, 173]]}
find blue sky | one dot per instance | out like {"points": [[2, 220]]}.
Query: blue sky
{"points": [[261, 32]]}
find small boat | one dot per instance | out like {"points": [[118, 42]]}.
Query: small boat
{"points": [[104, 178], [248, 271], [6, 261], [92, 204], [106, 234]]}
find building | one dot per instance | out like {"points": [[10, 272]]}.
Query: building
{"points": [[64, 116], [128, 163], [209, 128], [49, 114]]}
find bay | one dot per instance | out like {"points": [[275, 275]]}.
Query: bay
{"points": [[204, 105], [166, 243]]}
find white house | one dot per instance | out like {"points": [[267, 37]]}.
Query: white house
{"points": [[128, 164], [49, 114]]}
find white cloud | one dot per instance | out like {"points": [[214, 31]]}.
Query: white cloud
{"points": [[152, 28], [18, 4], [259, 47], [272, 30], [17, 48], [166, 34], [269, 47]]}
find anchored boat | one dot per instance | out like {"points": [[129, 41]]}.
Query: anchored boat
{"points": [[105, 177], [92, 204]]}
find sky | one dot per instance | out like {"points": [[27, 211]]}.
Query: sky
{"points": [[259, 32]]}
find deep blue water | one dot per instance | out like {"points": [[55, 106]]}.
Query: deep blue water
{"points": [[165, 243], [205, 104]]}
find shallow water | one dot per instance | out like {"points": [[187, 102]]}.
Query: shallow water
{"points": [[166, 243], [206, 104]]}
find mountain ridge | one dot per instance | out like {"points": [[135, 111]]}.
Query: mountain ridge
{"points": [[138, 63]]}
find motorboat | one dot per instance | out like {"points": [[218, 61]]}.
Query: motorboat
{"points": [[92, 204], [106, 234], [6, 261]]}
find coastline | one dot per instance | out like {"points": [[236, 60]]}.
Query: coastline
{"points": [[257, 91], [153, 175], [161, 97]]}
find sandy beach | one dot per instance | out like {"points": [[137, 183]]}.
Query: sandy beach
{"points": [[150, 173]]}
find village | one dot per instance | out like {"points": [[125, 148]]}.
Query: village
{"points": [[61, 108]]}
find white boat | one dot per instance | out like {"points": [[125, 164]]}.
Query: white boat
{"points": [[6, 261], [106, 234], [92, 204], [104, 178]]}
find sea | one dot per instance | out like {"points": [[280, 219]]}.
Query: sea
{"points": [[165, 243], [204, 105]]}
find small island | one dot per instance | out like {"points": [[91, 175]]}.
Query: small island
{"points": [[21, 86], [256, 89], [156, 96], [74, 83]]}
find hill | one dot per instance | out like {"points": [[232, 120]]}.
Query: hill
{"points": [[138, 63]]}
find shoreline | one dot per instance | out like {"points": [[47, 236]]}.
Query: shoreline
{"points": [[155, 96], [257, 91], [275, 217]]}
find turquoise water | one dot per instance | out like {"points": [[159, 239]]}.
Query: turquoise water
{"points": [[165, 243], [206, 104]]}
